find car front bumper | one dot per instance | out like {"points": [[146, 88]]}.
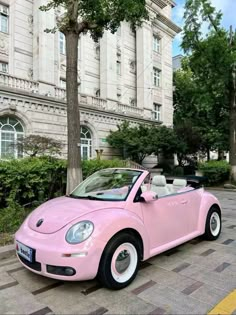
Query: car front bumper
{"points": [[52, 255]]}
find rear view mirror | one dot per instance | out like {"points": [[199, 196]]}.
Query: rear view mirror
{"points": [[149, 196]]}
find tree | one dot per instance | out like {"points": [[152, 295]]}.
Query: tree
{"points": [[140, 141], [133, 142], [213, 58], [83, 16], [163, 140], [34, 145], [199, 111], [189, 141]]}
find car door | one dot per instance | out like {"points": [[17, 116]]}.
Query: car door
{"points": [[171, 217]]}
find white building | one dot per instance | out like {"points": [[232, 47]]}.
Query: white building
{"points": [[127, 76], [177, 62]]}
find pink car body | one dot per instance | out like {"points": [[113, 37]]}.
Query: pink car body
{"points": [[159, 224]]}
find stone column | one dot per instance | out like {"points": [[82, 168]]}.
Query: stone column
{"points": [[43, 46], [108, 58], [144, 66]]}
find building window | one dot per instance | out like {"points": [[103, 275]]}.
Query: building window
{"points": [[118, 67], [156, 43], [157, 112], [63, 83], [97, 92], [156, 77], [3, 67], [97, 52], [11, 131], [62, 43], [4, 19], [86, 143]]}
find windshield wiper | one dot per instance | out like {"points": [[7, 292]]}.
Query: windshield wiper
{"points": [[85, 197]]}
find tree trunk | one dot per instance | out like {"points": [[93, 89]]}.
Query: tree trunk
{"points": [[232, 122], [208, 155], [74, 172]]}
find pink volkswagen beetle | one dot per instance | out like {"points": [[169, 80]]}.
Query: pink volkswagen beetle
{"points": [[112, 221]]}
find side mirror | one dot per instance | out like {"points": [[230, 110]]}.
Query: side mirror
{"points": [[149, 196]]}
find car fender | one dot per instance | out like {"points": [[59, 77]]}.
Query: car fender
{"points": [[208, 200], [109, 222]]}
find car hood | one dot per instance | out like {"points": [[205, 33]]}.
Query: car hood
{"points": [[59, 212]]}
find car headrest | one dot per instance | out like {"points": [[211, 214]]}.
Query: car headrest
{"points": [[159, 180], [180, 182]]}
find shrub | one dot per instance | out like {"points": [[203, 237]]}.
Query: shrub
{"points": [[31, 179], [26, 183], [216, 171]]}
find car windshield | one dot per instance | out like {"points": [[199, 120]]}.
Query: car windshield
{"points": [[108, 184]]}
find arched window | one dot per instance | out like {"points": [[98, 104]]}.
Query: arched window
{"points": [[86, 143], [11, 130]]}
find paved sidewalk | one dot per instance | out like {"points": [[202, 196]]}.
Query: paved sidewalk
{"points": [[190, 279]]}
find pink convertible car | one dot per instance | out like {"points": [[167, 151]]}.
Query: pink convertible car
{"points": [[112, 221]]}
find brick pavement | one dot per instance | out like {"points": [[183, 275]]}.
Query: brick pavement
{"points": [[190, 279]]}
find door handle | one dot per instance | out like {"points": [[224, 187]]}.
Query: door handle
{"points": [[184, 202]]}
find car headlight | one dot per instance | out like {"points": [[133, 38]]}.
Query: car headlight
{"points": [[79, 232]]}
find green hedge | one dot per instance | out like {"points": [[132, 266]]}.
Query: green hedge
{"points": [[26, 183], [31, 179], [216, 171]]}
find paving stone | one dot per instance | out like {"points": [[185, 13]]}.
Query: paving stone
{"points": [[207, 252], [173, 301], [31, 281], [195, 286], [16, 300], [222, 267], [107, 298], [157, 311], [210, 294], [143, 287], [99, 311], [138, 281], [228, 241], [42, 311], [131, 305]]}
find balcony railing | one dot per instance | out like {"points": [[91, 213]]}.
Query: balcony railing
{"points": [[7, 80], [126, 109], [18, 83]]}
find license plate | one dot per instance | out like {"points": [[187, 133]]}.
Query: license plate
{"points": [[24, 251]]}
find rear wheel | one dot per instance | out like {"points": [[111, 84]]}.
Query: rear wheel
{"points": [[120, 261], [213, 224]]}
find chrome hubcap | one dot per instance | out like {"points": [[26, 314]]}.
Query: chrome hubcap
{"points": [[122, 261], [213, 224]]}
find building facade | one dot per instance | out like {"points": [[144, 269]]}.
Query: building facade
{"points": [[177, 62], [126, 76]]}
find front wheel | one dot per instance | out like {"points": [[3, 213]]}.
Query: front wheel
{"points": [[120, 261], [213, 224]]}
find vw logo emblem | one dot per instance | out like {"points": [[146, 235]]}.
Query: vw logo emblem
{"points": [[40, 221]]}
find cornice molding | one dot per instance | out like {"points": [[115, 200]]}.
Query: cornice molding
{"points": [[23, 102]]}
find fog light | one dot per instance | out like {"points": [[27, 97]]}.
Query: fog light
{"points": [[61, 271], [69, 271]]}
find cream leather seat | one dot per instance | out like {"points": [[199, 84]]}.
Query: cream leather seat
{"points": [[159, 185], [178, 184]]}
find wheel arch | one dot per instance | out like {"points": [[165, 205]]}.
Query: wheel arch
{"points": [[207, 203], [133, 232]]}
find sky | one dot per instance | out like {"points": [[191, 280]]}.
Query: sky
{"points": [[227, 7]]}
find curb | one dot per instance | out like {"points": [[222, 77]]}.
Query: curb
{"points": [[7, 251]]}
